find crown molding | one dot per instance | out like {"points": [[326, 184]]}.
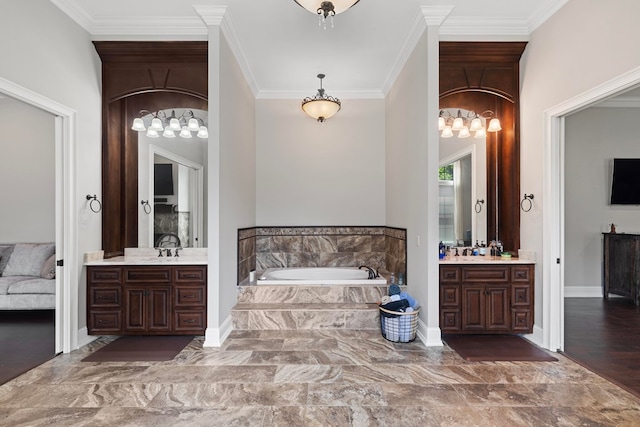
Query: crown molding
{"points": [[469, 26], [426, 16], [286, 94], [220, 16], [544, 12], [75, 13]]}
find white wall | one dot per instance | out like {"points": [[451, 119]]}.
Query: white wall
{"points": [[27, 145], [320, 174], [595, 137], [237, 174], [412, 175], [585, 44], [46, 52]]}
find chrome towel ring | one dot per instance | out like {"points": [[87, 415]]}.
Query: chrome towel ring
{"points": [[478, 206]]}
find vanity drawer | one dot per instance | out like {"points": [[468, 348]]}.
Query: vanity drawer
{"points": [[449, 274], [104, 275], [521, 274], [482, 274], [105, 321], [190, 274], [450, 295], [105, 297], [147, 275], [189, 320], [450, 320], [522, 321], [520, 296], [188, 296]]}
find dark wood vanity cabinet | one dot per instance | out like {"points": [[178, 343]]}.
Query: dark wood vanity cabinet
{"points": [[146, 300], [486, 299], [622, 265]]}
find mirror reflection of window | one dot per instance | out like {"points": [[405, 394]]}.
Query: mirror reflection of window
{"points": [[455, 202]]}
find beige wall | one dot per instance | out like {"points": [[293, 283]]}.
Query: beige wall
{"points": [[237, 151], [585, 44], [595, 137], [46, 52], [320, 174], [27, 173]]}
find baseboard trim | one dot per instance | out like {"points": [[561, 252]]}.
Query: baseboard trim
{"points": [[536, 337], [83, 337], [430, 337], [214, 337], [583, 292]]}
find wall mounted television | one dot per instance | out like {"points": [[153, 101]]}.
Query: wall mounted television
{"points": [[163, 179], [625, 185]]}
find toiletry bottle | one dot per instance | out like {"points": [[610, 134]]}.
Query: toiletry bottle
{"points": [[441, 250], [482, 250], [400, 279], [392, 279]]}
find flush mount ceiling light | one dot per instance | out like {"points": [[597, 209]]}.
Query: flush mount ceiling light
{"points": [[326, 9], [464, 124], [167, 126], [321, 106]]}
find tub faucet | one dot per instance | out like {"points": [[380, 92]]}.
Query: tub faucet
{"points": [[372, 273]]}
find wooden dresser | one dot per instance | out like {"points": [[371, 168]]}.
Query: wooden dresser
{"points": [[492, 298], [621, 267], [147, 300]]}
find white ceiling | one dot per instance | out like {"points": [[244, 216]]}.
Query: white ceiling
{"points": [[281, 48]]}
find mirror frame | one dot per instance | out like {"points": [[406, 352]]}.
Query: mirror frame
{"points": [[482, 76], [139, 75]]}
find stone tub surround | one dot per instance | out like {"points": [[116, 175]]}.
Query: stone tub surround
{"points": [[149, 256], [312, 378], [260, 248], [299, 307]]}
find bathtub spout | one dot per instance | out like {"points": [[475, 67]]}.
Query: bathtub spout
{"points": [[372, 273]]}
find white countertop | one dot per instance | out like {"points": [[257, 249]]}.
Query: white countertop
{"points": [[148, 256], [487, 259]]}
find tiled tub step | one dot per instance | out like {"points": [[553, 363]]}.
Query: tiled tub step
{"points": [[299, 294], [306, 316]]}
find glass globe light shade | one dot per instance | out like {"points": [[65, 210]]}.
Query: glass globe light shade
{"points": [[156, 124], [193, 125], [203, 132], [174, 124], [447, 132], [457, 123], [464, 132], [476, 124], [185, 132], [441, 123], [138, 125], [168, 133], [480, 133], [152, 133], [494, 126]]}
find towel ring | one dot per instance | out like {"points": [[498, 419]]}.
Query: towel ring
{"points": [[94, 199], [478, 207], [146, 206], [523, 203]]}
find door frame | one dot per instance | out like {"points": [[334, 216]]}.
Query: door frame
{"points": [[66, 318], [553, 200]]}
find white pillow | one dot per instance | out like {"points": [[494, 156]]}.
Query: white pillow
{"points": [[27, 259]]}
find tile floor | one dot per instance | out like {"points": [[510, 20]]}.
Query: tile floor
{"points": [[312, 378]]}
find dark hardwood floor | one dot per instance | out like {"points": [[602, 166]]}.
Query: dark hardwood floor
{"points": [[27, 339], [604, 336]]}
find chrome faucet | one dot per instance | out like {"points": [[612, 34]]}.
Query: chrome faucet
{"points": [[176, 251], [159, 252], [168, 251]]}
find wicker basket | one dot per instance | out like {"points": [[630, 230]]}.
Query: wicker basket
{"points": [[398, 326]]}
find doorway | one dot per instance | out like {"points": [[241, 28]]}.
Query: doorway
{"points": [[554, 247], [66, 304]]}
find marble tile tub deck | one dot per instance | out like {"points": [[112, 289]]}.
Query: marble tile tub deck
{"points": [[312, 378]]}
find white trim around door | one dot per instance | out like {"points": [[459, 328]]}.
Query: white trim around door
{"points": [[66, 245]]}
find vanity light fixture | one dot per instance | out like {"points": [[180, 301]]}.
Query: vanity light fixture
{"points": [[321, 106], [465, 124], [167, 126], [325, 9]]}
